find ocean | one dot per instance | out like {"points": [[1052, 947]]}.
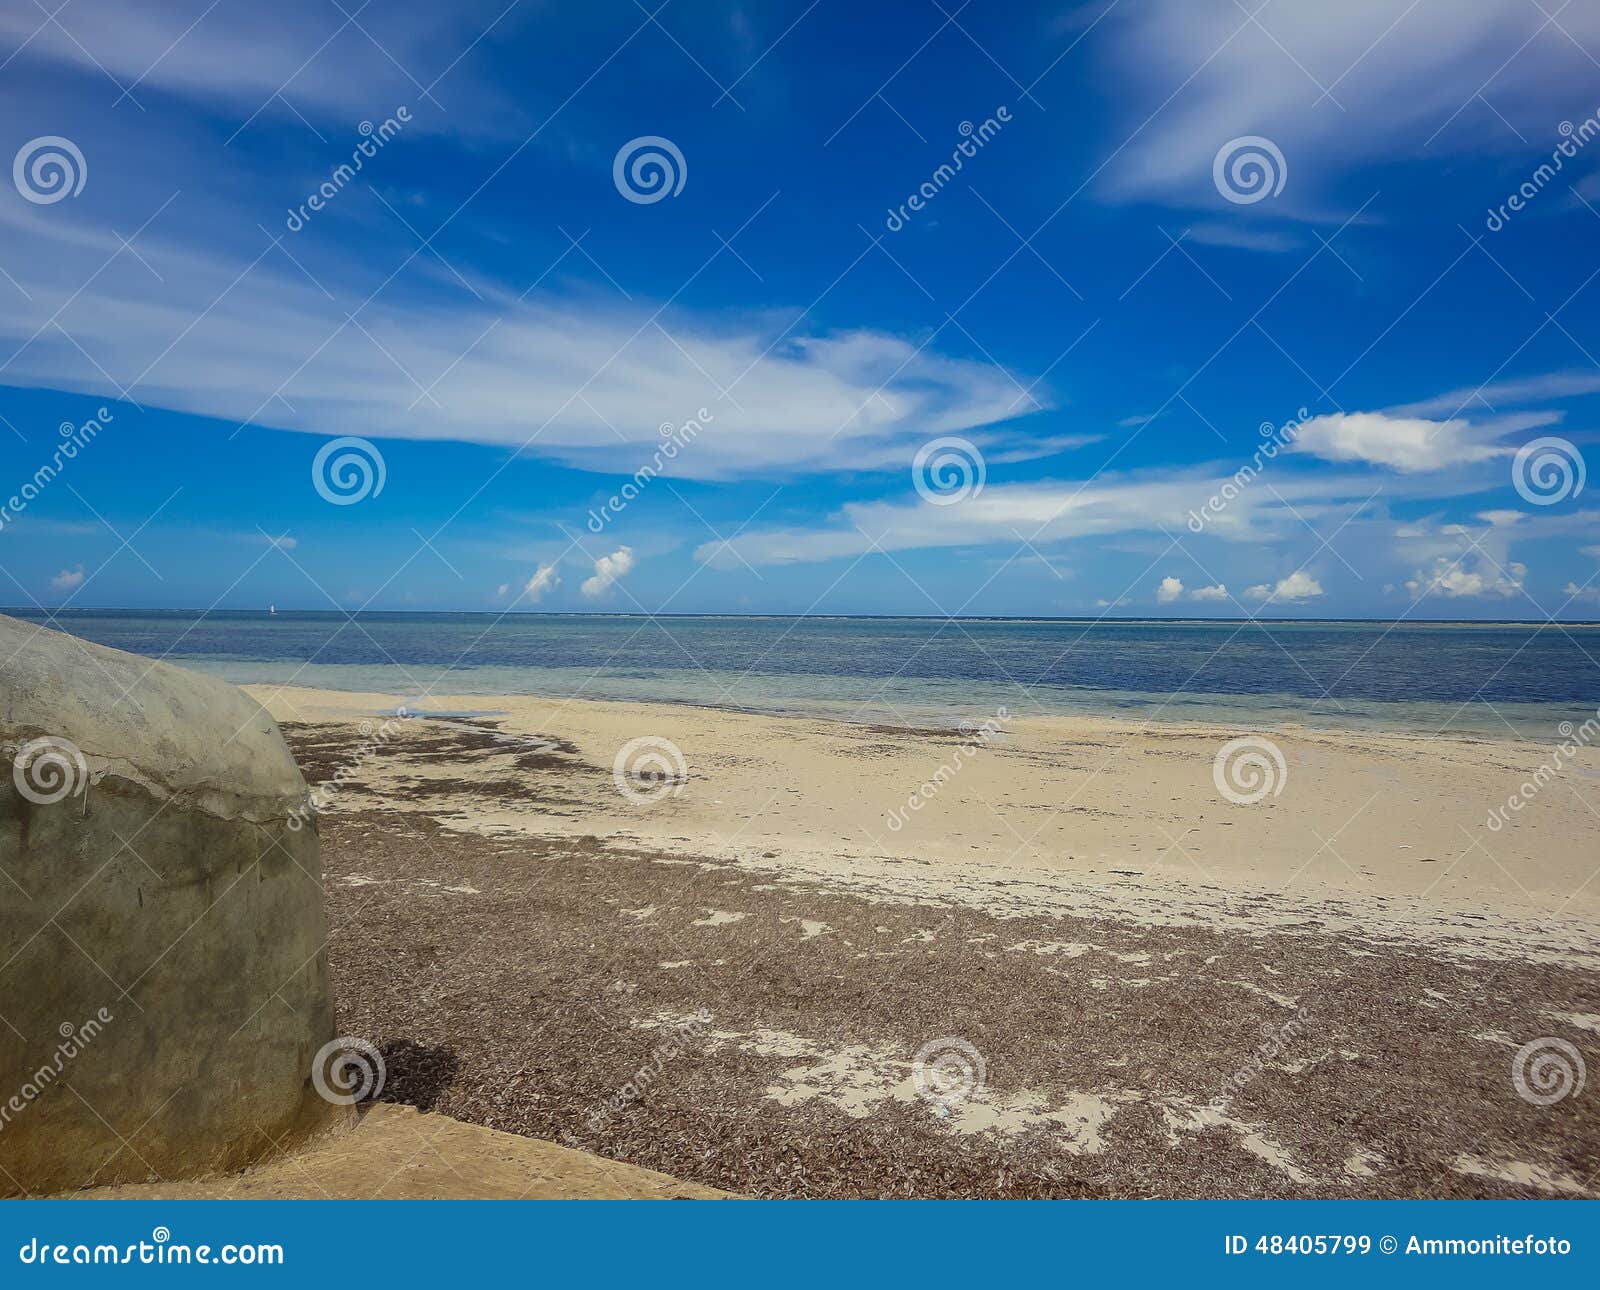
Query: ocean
{"points": [[1489, 678]]}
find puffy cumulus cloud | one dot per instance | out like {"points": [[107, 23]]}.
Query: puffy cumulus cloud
{"points": [[607, 569], [1169, 590], [1299, 585], [1452, 579], [1502, 519], [1406, 443], [545, 578], [67, 579], [1218, 592], [1572, 591]]}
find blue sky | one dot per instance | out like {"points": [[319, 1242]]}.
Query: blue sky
{"points": [[1095, 315]]}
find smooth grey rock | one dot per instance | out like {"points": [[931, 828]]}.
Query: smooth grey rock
{"points": [[163, 966]]}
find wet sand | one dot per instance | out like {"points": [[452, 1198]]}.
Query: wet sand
{"points": [[1121, 982]]}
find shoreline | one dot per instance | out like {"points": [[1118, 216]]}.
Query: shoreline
{"points": [[1525, 722], [1385, 829]]}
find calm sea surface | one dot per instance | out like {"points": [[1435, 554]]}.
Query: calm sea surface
{"points": [[1490, 678]]}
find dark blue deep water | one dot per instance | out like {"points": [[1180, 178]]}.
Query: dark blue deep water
{"points": [[1415, 675]]}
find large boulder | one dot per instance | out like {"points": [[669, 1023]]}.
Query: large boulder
{"points": [[163, 967]]}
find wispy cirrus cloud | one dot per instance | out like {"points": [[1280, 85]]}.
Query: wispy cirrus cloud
{"points": [[1335, 86], [569, 378]]}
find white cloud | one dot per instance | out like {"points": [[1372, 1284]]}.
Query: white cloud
{"points": [[1452, 579], [1402, 443], [1502, 519], [545, 578], [1146, 501], [1169, 590], [1299, 585], [67, 579], [1504, 394], [247, 55], [580, 382], [1244, 239], [1575, 592], [1399, 77], [607, 569], [1218, 592]]}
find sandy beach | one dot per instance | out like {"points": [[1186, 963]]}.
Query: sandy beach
{"points": [[739, 961]]}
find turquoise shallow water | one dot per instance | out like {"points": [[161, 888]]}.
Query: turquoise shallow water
{"points": [[1495, 679]]}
